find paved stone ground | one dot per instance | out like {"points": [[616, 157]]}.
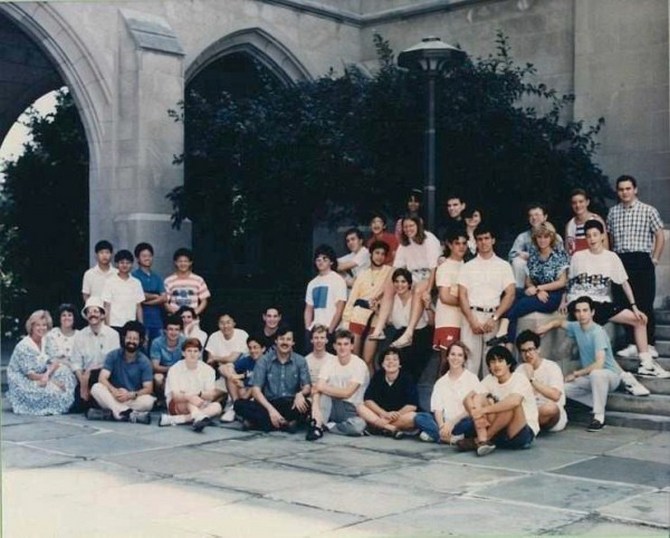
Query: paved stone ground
{"points": [[64, 476]]}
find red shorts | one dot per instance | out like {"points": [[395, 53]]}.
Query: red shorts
{"points": [[172, 408], [444, 336]]}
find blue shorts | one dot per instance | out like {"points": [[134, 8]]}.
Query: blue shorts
{"points": [[521, 440], [464, 427]]}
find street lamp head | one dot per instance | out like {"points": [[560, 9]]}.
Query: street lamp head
{"points": [[430, 56]]}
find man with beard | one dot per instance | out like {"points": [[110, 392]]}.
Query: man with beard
{"points": [[280, 388], [125, 383], [91, 346]]}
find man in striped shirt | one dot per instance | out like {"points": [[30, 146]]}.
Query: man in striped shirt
{"points": [[183, 287]]}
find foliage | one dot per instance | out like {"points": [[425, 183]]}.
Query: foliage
{"points": [[277, 162], [44, 205]]}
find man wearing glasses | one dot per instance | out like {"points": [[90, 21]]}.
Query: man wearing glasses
{"points": [[546, 378]]}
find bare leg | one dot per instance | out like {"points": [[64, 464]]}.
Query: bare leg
{"points": [[549, 415], [358, 344], [405, 422], [415, 314], [369, 350], [627, 317], [384, 311]]}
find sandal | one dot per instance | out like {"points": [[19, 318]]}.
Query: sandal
{"points": [[402, 342], [314, 432], [378, 336]]}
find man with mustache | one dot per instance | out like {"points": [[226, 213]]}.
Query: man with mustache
{"points": [[91, 346], [125, 383]]}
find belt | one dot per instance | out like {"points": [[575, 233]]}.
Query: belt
{"points": [[486, 310]]}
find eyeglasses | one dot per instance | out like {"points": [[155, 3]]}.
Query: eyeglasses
{"points": [[528, 350]]}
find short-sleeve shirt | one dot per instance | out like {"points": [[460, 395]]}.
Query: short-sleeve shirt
{"points": [[549, 373], [447, 277], [589, 340], [161, 352], [546, 271], [219, 346], [89, 349], [280, 380], [516, 384], [592, 275], [633, 228], [186, 291], [391, 240], [323, 293], [151, 283], [448, 394], [245, 365], [123, 297], [485, 280], [181, 378], [415, 256], [94, 280], [315, 364], [128, 375], [392, 396], [341, 375], [361, 258]]}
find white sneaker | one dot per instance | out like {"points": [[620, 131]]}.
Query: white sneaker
{"points": [[629, 352], [653, 351], [652, 369], [167, 420], [633, 386], [426, 438], [228, 415]]}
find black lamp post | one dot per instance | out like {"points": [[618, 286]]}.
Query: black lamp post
{"points": [[430, 56]]}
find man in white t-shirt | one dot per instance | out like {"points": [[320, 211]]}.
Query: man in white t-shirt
{"points": [[326, 294], [358, 258], [486, 291], [338, 391], [507, 416], [95, 277], [227, 344], [546, 378], [448, 316], [319, 356], [190, 391], [123, 294]]}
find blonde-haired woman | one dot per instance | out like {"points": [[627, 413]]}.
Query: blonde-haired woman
{"points": [[38, 386]]}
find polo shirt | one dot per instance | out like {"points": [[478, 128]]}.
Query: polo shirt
{"points": [[163, 354], [151, 283], [94, 280], [128, 375], [280, 380], [123, 297], [485, 280]]}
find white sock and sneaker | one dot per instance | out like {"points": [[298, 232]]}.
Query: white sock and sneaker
{"points": [[650, 368], [228, 412], [630, 352], [632, 386]]}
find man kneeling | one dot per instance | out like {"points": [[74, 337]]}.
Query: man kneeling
{"points": [[190, 390], [507, 416]]}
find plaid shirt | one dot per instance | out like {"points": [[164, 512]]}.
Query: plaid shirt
{"points": [[633, 228]]}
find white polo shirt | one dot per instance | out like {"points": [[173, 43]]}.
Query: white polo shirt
{"points": [[94, 280], [485, 280], [123, 297]]}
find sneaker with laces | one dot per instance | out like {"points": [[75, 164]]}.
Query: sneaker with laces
{"points": [[426, 438], [228, 415], [652, 369], [139, 417], [595, 426], [653, 351], [166, 420], [199, 425], [629, 352], [633, 386], [485, 448]]}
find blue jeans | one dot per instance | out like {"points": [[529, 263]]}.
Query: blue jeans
{"points": [[426, 423], [524, 304]]}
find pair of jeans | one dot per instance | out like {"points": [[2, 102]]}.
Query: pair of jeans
{"points": [[426, 423]]}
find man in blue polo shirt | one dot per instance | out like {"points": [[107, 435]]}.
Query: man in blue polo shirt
{"points": [[154, 292]]}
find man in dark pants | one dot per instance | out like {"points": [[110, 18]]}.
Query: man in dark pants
{"points": [[636, 235], [280, 388]]}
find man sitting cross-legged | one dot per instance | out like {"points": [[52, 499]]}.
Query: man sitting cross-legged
{"points": [[507, 416], [238, 375], [280, 388], [339, 391], [166, 351], [190, 390], [125, 384], [546, 378], [391, 399]]}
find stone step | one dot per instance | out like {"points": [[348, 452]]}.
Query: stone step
{"points": [[630, 365], [663, 347], [662, 317], [663, 332], [655, 404], [655, 385], [581, 415]]}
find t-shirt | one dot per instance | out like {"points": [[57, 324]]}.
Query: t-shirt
{"points": [[340, 375], [163, 354], [94, 280], [323, 293], [123, 297], [416, 256], [550, 374], [447, 277], [128, 375], [575, 237], [400, 314], [516, 384], [368, 284], [361, 258], [245, 365], [181, 378], [151, 283], [485, 280], [392, 396], [592, 275], [315, 364], [391, 240], [448, 394], [219, 346], [589, 340], [186, 291]]}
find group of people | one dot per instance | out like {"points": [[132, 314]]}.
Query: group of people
{"points": [[372, 319]]}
